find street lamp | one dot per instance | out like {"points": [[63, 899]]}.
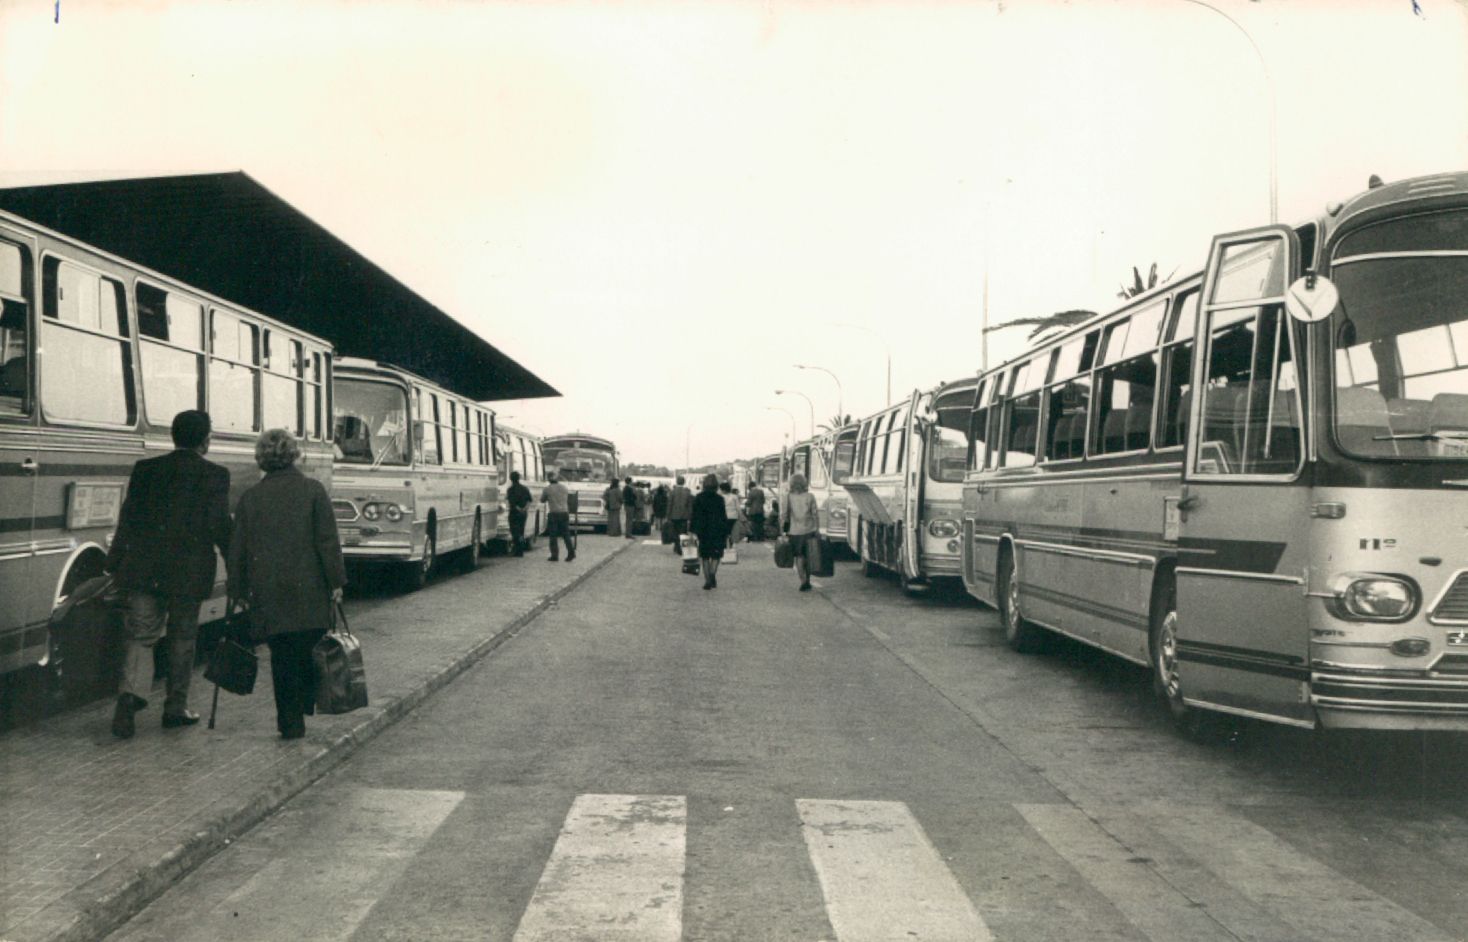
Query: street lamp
{"points": [[1269, 90], [884, 346], [812, 405], [840, 413]]}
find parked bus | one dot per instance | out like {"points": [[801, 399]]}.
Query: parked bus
{"points": [[415, 473], [1252, 481], [520, 451], [97, 355], [587, 464], [907, 488], [836, 510]]}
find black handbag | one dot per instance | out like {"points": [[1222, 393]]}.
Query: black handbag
{"points": [[341, 677], [784, 554]]}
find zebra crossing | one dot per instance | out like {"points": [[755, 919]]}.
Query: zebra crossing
{"points": [[618, 866]]}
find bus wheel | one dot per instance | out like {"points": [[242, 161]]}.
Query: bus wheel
{"points": [[1191, 722], [470, 560], [415, 575], [1019, 633]]}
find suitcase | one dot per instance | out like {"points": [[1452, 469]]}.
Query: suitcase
{"points": [[688, 546], [819, 558], [784, 554], [670, 535]]}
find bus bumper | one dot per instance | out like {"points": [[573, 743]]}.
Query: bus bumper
{"points": [[1378, 700], [941, 565]]}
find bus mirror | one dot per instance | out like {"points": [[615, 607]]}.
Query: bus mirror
{"points": [[1311, 298]]}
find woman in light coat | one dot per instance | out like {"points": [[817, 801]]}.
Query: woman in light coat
{"points": [[800, 519], [285, 564]]}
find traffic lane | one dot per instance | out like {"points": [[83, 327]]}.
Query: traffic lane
{"points": [[1380, 808]]}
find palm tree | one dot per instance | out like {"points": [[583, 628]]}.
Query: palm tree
{"points": [[1137, 286], [1048, 322]]}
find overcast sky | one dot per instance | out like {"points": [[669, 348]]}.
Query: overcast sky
{"points": [[659, 208]]}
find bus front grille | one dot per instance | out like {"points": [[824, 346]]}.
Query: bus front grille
{"points": [[1452, 608], [344, 510]]}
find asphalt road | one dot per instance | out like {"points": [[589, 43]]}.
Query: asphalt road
{"points": [[651, 761]]}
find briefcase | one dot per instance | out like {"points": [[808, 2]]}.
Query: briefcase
{"points": [[341, 677], [784, 554], [233, 667]]}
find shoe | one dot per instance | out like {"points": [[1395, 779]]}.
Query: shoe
{"points": [[122, 715], [175, 720], [554, 559], [571, 557], [294, 733], [805, 587]]}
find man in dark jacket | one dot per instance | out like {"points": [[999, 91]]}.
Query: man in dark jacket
{"points": [[175, 516], [518, 498], [680, 508], [629, 507]]}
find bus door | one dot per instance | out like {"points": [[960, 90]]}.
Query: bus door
{"points": [[1241, 521], [916, 436], [19, 458]]}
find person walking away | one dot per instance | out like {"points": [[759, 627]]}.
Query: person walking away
{"points": [[611, 499], [731, 512], [629, 507], [175, 516], [518, 498], [680, 508], [285, 566], [754, 509], [799, 519], [557, 498], [659, 507], [710, 523]]}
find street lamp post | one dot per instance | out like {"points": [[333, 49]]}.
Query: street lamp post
{"points": [[840, 412], [812, 405], [884, 346], [1269, 92]]}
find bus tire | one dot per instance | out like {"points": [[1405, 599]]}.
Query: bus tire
{"points": [[1192, 723], [415, 575], [469, 559], [1019, 633]]}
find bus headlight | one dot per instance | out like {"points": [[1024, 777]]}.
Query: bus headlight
{"points": [[1369, 596], [838, 514], [371, 512], [943, 528], [392, 512]]}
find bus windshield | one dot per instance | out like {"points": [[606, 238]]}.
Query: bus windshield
{"points": [[844, 460], [947, 452], [574, 464], [1401, 356], [370, 421]]}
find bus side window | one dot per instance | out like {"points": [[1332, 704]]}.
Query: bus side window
{"points": [[281, 393], [432, 447], [170, 331], [234, 368], [1178, 392], [15, 348], [87, 376], [1069, 408], [1250, 421]]}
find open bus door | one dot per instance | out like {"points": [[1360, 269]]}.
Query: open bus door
{"points": [[1242, 519], [918, 429]]}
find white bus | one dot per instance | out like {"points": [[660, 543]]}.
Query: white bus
{"points": [[836, 513], [1263, 507], [415, 473], [586, 464], [520, 451], [97, 355], [907, 488]]}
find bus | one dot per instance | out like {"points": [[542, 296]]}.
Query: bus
{"points": [[520, 451], [97, 355], [1252, 481], [586, 464], [907, 487], [415, 477], [813, 459], [836, 509]]}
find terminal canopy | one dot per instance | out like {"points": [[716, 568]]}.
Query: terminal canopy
{"points": [[228, 235]]}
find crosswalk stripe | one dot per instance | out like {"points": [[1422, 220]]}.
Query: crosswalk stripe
{"points": [[616, 872], [1160, 910], [1302, 892], [881, 876], [325, 881]]}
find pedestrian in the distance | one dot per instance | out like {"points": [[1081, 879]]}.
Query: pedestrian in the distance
{"points": [[659, 507], [710, 523], [680, 508], [285, 565], [629, 507], [731, 512], [611, 499], [174, 518], [754, 509], [518, 499], [801, 522], [557, 498]]}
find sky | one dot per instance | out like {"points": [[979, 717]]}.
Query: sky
{"points": [[660, 208]]}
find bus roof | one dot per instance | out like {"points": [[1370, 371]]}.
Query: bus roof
{"points": [[226, 234], [578, 440]]}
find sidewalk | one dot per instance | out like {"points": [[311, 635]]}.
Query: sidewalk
{"points": [[92, 828]]}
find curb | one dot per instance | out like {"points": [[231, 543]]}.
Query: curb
{"points": [[98, 914]]}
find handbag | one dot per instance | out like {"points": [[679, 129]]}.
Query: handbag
{"points": [[784, 554], [232, 666], [341, 677]]}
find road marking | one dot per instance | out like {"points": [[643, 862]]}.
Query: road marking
{"points": [[881, 876], [1129, 881], [615, 873], [658, 542], [1296, 888], [324, 880]]}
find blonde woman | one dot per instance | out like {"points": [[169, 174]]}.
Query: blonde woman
{"points": [[800, 519]]}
